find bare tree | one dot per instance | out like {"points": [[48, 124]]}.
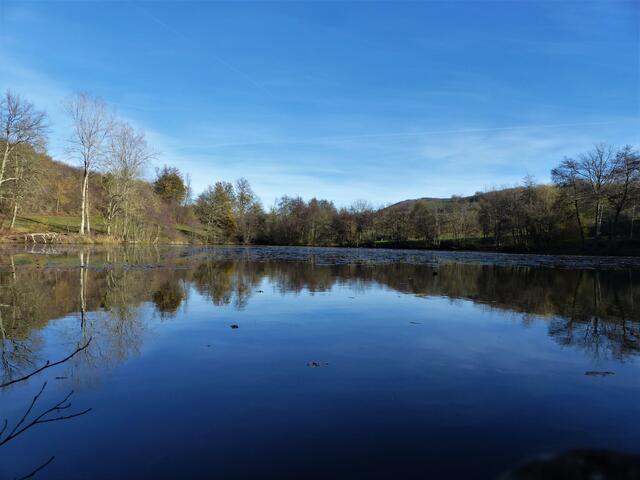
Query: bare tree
{"points": [[21, 124], [362, 213], [26, 174], [128, 157], [567, 177], [626, 173], [462, 218], [495, 214], [423, 217], [92, 123], [596, 168]]}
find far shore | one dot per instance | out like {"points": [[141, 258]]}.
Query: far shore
{"points": [[600, 248]]}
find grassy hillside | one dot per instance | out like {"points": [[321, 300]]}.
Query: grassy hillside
{"points": [[69, 224], [55, 223]]}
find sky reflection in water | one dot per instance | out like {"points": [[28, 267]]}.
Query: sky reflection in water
{"points": [[437, 369]]}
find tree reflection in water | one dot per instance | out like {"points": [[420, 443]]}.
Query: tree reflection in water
{"points": [[113, 296], [57, 412], [588, 309]]}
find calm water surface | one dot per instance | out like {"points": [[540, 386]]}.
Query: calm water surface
{"points": [[344, 363]]}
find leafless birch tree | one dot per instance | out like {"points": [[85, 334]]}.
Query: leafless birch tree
{"points": [[92, 123]]}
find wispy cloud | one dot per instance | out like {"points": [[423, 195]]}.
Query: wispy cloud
{"points": [[341, 106], [193, 44]]}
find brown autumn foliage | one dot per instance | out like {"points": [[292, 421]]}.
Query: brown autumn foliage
{"points": [[591, 206]]}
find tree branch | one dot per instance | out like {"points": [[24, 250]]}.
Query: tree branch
{"points": [[47, 365], [61, 405], [33, 473]]}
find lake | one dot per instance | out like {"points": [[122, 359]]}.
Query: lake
{"points": [[230, 362]]}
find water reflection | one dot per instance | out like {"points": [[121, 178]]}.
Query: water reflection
{"points": [[35, 415], [155, 346], [596, 311], [169, 297]]}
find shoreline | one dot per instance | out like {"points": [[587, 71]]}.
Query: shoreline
{"points": [[361, 257], [57, 238]]}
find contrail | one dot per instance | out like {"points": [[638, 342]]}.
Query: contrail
{"points": [[469, 130], [184, 37], [401, 134]]}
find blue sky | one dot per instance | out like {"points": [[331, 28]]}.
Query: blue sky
{"points": [[342, 100]]}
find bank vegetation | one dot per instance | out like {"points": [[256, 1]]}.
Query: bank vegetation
{"points": [[103, 193]]}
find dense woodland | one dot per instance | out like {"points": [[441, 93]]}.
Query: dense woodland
{"points": [[592, 204]]}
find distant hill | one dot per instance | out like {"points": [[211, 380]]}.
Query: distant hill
{"points": [[408, 204]]}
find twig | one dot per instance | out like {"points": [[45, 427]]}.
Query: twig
{"points": [[47, 365], [24, 417], [33, 474], [61, 405]]}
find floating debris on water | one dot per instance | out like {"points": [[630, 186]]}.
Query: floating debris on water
{"points": [[317, 364]]}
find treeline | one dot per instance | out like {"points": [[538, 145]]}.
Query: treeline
{"points": [[106, 188], [592, 202]]}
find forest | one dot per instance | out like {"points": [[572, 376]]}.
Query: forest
{"points": [[104, 192]]}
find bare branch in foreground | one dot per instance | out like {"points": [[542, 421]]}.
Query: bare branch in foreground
{"points": [[42, 418], [34, 472], [47, 365]]}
